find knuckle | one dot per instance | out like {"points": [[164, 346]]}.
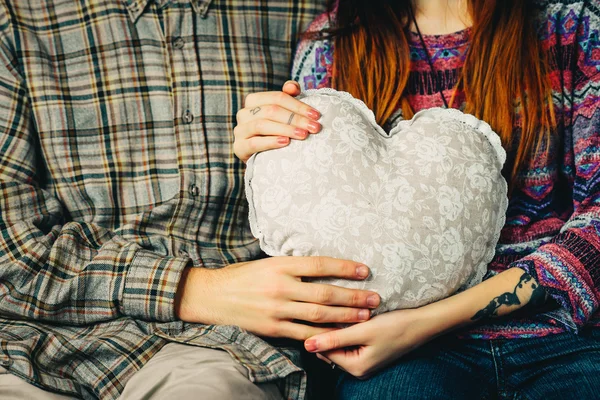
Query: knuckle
{"points": [[273, 308], [281, 96], [317, 265], [277, 265], [300, 333], [236, 131], [316, 314], [272, 330], [271, 111], [276, 290], [334, 341], [349, 268], [275, 312], [304, 334], [238, 115], [249, 99], [356, 298], [324, 295], [251, 145], [274, 263], [259, 125], [351, 316]]}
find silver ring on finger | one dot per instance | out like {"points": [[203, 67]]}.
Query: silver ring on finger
{"points": [[291, 118]]}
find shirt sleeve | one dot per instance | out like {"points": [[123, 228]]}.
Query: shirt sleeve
{"points": [[568, 266], [313, 62], [58, 271]]}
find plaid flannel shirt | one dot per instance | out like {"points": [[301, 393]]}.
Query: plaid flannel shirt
{"points": [[117, 171]]}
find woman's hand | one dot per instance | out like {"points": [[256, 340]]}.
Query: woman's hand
{"points": [[387, 337], [270, 119], [365, 348]]}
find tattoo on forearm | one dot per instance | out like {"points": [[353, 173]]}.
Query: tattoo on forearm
{"points": [[255, 110], [538, 298]]}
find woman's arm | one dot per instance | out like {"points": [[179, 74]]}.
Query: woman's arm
{"points": [[364, 348], [506, 293]]}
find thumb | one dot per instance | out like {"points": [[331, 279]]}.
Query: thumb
{"points": [[292, 88]]}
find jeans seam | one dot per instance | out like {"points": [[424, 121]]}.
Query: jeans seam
{"points": [[496, 358]]}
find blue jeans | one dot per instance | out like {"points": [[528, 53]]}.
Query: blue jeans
{"points": [[564, 366]]}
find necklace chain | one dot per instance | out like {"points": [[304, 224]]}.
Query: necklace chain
{"points": [[433, 71]]}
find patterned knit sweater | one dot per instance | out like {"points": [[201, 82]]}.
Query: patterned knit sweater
{"points": [[553, 222]]}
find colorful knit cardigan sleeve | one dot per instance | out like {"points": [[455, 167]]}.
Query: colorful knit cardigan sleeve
{"points": [[568, 265]]}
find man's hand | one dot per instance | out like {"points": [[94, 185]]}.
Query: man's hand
{"points": [[268, 297], [270, 119]]}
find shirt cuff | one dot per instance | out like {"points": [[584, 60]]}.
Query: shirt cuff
{"points": [[150, 286]]}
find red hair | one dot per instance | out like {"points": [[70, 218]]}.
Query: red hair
{"points": [[504, 75]]}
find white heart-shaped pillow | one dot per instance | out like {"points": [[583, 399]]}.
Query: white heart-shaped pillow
{"points": [[422, 206]]}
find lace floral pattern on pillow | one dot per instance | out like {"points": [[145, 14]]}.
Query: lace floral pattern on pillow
{"points": [[422, 206]]}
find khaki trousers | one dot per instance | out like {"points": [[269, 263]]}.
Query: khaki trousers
{"points": [[177, 371]]}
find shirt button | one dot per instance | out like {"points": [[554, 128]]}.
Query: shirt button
{"points": [[194, 189], [188, 117], [6, 363], [178, 43], [202, 10]]}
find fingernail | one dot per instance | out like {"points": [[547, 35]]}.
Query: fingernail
{"points": [[314, 127], [283, 140], [300, 133], [373, 301], [362, 271], [314, 114], [310, 345], [364, 315]]}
